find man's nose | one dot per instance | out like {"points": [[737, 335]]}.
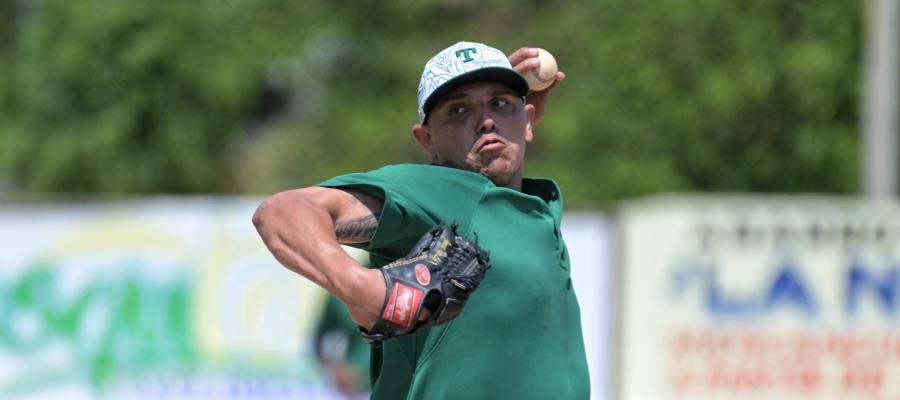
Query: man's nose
{"points": [[487, 124]]}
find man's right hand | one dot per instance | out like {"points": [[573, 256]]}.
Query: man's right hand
{"points": [[524, 60]]}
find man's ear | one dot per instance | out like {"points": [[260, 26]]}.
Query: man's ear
{"points": [[423, 136], [529, 114]]}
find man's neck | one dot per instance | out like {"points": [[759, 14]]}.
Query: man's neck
{"points": [[515, 183]]}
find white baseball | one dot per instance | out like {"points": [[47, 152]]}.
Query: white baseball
{"points": [[544, 75]]}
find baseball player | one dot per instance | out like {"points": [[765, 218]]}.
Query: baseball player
{"points": [[465, 230]]}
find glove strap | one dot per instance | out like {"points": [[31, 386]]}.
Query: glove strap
{"points": [[384, 328], [375, 339]]}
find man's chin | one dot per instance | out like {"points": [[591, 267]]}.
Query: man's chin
{"points": [[500, 177]]}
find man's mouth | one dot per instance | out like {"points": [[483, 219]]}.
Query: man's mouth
{"points": [[490, 143]]}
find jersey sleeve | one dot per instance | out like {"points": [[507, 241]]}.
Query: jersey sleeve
{"points": [[404, 217]]}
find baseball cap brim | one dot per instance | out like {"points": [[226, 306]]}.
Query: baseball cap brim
{"points": [[502, 75]]}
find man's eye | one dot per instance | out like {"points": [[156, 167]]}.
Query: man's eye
{"points": [[500, 103], [458, 110]]}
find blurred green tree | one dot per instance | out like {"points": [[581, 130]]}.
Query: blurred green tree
{"points": [[259, 96], [120, 97]]}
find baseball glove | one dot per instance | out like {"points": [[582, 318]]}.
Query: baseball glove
{"points": [[438, 274]]}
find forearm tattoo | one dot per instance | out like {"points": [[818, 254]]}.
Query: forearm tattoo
{"points": [[359, 230]]}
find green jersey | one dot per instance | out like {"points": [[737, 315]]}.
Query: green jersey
{"points": [[519, 335]]}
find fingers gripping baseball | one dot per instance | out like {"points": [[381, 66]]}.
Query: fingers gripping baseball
{"points": [[540, 70], [538, 67]]}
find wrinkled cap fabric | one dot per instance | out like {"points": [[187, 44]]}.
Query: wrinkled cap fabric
{"points": [[462, 63]]}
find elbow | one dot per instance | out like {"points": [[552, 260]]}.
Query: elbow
{"points": [[267, 212], [281, 208], [261, 215], [258, 218]]}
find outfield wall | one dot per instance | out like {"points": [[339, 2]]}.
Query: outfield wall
{"points": [[759, 297], [177, 298], [682, 297]]}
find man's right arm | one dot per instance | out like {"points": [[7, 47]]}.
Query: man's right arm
{"points": [[303, 228]]}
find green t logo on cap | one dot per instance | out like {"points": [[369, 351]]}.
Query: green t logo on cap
{"points": [[466, 54]]}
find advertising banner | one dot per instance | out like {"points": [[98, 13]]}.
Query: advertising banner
{"points": [[164, 298], [755, 297], [178, 298]]}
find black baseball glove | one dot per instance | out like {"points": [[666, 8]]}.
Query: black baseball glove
{"points": [[438, 274]]}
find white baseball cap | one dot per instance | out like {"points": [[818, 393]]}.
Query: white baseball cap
{"points": [[462, 63]]}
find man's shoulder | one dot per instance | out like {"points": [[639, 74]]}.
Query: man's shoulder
{"points": [[414, 174], [429, 170], [405, 169], [385, 173]]}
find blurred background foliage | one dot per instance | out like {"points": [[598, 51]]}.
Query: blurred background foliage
{"points": [[107, 97]]}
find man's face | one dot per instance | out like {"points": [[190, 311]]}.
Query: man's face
{"points": [[481, 127]]}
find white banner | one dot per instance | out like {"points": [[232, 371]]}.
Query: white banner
{"points": [[589, 239], [177, 298], [760, 298], [165, 298]]}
